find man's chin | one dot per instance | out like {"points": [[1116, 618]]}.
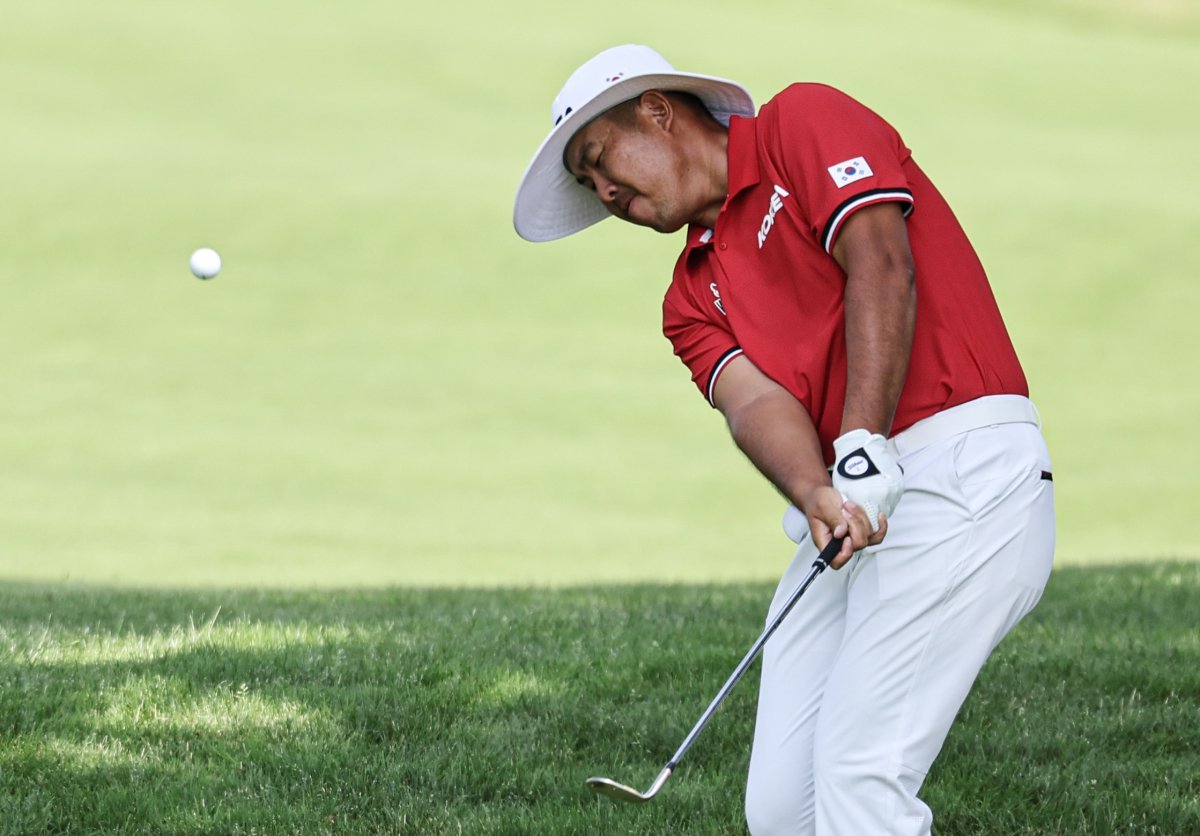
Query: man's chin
{"points": [[666, 227]]}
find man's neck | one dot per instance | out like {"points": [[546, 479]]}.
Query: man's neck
{"points": [[712, 161]]}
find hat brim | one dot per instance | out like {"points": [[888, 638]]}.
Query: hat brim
{"points": [[551, 205]]}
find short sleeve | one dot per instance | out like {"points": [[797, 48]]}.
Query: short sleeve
{"points": [[699, 337], [837, 154]]}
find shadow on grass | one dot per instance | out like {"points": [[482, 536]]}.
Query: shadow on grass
{"points": [[481, 711]]}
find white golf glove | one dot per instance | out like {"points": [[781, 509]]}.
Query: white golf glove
{"points": [[866, 472]]}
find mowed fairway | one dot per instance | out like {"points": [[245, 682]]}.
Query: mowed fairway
{"points": [[483, 711], [401, 524]]}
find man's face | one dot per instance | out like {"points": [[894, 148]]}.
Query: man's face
{"points": [[635, 166]]}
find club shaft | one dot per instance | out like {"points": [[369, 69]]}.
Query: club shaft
{"points": [[819, 565]]}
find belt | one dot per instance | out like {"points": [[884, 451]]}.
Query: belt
{"points": [[987, 411]]}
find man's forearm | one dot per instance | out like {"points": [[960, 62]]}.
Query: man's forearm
{"points": [[775, 432], [880, 318], [881, 314]]}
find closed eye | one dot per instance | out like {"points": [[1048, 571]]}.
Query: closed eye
{"points": [[594, 165]]}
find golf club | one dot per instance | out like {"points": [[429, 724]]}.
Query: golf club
{"points": [[624, 792]]}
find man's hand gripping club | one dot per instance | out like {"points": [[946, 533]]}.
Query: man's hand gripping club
{"points": [[829, 515], [867, 484], [866, 473]]}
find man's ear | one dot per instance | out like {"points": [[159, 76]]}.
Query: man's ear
{"points": [[657, 109]]}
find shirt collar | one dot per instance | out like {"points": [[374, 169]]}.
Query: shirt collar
{"points": [[697, 236], [742, 156]]}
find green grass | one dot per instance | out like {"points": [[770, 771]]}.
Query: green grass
{"points": [[482, 711]]}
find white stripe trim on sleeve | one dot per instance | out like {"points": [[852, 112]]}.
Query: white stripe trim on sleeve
{"points": [[716, 372], [846, 209]]}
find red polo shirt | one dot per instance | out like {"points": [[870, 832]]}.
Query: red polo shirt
{"points": [[763, 281]]}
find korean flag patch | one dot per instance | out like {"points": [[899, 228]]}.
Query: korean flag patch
{"points": [[851, 171]]}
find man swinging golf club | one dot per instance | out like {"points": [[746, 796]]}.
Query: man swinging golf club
{"points": [[828, 303]]}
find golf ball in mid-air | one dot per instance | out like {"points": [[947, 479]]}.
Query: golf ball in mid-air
{"points": [[205, 263]]}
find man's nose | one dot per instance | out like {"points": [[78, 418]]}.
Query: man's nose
{"points": [[606, 190]]}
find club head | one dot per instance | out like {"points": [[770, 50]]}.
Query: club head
{"points": [[623, 792]]}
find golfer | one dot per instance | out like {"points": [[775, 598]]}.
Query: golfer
{"points": [[828, 303]]}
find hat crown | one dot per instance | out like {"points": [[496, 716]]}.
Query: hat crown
{"points": [[607, 68]]}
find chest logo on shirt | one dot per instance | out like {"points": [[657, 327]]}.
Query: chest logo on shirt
{"points": [[717, 293], [768, 220], [851, 171]]}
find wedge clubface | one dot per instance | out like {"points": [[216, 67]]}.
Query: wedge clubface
{"points": [[621, 792], [624, 792]]}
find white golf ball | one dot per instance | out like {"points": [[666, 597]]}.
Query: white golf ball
{"points": [[205, 263]]}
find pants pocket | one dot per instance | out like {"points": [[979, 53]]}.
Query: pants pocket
{"points": [[1004, 478]]}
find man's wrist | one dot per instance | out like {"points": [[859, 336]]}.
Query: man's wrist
{"points": [[851, 439], [849, 442], [801, 493]]}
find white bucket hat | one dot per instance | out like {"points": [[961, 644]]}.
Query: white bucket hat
{"points": [[550, 204]]}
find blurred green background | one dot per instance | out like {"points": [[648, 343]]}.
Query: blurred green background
{"points": [[386, 386]]}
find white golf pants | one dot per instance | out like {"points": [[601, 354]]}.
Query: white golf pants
{"points": [[863, 679]]}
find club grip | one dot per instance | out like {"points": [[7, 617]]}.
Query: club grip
{"points": [[829, 552]]}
